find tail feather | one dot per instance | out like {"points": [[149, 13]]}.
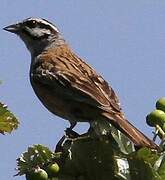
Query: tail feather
{"points": [[137, 137]]}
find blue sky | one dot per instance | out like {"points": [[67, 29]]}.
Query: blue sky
{"points": [[123, 40]]}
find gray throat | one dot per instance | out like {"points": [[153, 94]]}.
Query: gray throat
{"points": [[38, 47]]}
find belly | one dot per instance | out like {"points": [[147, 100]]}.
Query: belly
{"points": [[56, 102]]}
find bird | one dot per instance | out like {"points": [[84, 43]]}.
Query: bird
{"points": [[67, 86]]}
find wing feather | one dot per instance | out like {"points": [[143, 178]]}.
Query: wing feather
{"points": [[81, 81]]}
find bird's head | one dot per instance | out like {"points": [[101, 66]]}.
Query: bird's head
{"points": [[36, 33]]}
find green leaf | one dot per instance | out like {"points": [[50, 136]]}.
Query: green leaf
{"points": [[35, 156], [8, 122], [161, 170], [125, 145]]}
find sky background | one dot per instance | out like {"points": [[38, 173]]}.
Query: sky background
{"points": [[123, 40]]}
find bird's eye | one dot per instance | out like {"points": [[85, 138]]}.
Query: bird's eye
{"points": [[34, 22], [31, 23]]}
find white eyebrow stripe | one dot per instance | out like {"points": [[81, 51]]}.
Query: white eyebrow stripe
{"points": [[44, 22]]}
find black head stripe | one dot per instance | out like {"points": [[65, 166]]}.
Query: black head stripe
{"points": [[40, 23], [30, 24], [37, 28]]}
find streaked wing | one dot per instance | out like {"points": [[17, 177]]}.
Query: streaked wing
{"points": [[81, 81]]}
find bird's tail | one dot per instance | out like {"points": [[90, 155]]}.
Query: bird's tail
{"points": [[137, 137]]}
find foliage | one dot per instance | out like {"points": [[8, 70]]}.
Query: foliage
{"points": [[89, 157], [8, 122]]}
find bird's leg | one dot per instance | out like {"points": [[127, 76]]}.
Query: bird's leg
{"points": [[70, 133], [72, 125]]}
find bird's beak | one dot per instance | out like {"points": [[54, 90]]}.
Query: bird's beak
{"points": [[14, 28]]}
